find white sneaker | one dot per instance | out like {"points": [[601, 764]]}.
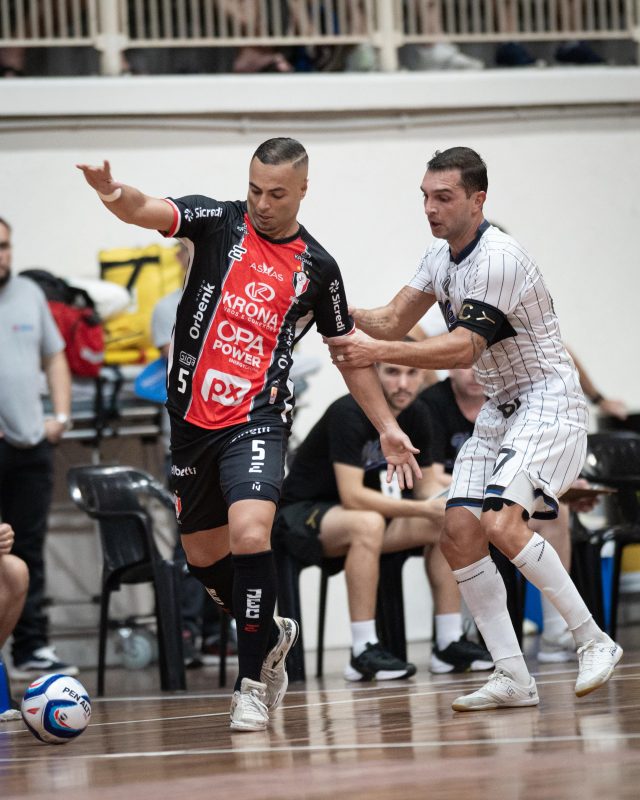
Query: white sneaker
{"points": [[441, 55], [500, 691], [273, 672], [42, 661], [248, 709], [596, 663], [558, 650]]}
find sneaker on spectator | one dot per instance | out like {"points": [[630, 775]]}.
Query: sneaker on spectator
{"points": [[248, 708], [361, 58], [577, 53], [211, 647], [500, 691], [190, 655], [376, 664], [460, 656], [596, 662], [273, 673], [558, 650], [442, 55], [514, 54], [40, 662]]}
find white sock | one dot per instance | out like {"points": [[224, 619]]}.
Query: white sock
{"points": [[541, 566], [553, 624], [483, 590], [362, 634], [448, 629]]}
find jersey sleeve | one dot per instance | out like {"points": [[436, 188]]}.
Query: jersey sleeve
{"points": [[195, 216], [423, 279], [330, 310]]}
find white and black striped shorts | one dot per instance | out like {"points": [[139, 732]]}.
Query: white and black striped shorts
{"points": [[531, 462]]}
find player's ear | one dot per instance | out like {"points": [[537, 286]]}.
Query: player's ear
{"points": [[480, 200], [304, 187]]}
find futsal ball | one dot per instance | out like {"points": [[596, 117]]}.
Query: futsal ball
{"points": [[56, 708]]}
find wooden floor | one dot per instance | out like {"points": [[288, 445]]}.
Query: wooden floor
{"points": [[331, 739]]}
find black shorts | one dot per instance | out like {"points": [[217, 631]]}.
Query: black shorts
{"points": [[297, 529], [211, 469]]}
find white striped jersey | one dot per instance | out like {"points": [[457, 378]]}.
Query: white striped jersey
{"points": [[526, 360]]}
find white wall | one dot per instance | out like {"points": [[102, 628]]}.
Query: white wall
{"points": [[562, 148]]}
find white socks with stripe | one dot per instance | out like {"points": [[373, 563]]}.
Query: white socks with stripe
{"points": [[483, 590], [541, 566]]}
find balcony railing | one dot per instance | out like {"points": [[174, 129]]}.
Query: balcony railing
{"points": [[113, 26]]}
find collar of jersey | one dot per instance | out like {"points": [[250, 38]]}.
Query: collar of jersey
{"points": [[466, 251], [288, 239]]}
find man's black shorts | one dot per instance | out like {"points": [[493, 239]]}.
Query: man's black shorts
{"points": [[211, 469], [297, 529]]}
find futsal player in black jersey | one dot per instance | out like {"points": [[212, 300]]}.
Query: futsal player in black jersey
{"points": [[254, 273]]}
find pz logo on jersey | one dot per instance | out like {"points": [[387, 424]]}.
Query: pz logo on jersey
{"points": [[228, 390]]}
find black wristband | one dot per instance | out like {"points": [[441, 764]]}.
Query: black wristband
{"points": [[596, 399]]}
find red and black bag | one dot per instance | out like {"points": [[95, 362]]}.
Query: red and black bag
{"points": [[77, 319]]}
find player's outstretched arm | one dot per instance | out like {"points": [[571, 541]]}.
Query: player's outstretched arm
{"points": [[459, 349], [127, 203], [396, 319], [396, 445]]}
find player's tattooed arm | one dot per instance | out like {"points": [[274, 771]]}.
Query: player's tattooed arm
{"points": [[396, 319], [478, 345]]}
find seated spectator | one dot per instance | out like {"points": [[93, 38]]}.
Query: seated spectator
{"points": [[336, 502]]}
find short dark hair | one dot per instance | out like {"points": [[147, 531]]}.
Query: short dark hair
{"points": [[473, 170], [282, 150], [4, 222]]}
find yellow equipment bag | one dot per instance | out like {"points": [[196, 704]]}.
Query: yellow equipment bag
{"points": [[148, 273]]}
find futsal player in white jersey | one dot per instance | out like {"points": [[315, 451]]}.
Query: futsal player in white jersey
{"points": [[529, 440]]}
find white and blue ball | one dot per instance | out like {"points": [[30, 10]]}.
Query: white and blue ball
{"points": [[56, 708]]}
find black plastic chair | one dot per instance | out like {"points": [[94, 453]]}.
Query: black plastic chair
{"points": [[389, 612], [613, 459], [111, 495]]}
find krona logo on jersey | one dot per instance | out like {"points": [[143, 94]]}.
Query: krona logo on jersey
{"points": [[254, 308], [220, 387]]}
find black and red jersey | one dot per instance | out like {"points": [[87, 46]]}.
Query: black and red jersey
{"points": [[239, 315]]}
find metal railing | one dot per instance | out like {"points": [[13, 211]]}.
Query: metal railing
{"points": [[113, 26]]}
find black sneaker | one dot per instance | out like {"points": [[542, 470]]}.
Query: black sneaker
{"points": [[191, 657], [374, 663], [42, 661], [460, 656]]}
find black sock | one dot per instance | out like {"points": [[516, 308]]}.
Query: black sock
{"points": [[254, 601], [217, 579]]}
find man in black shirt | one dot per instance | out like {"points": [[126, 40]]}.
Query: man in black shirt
{"points": [[336, 502]]}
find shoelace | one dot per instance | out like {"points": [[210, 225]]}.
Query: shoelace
{"points": [[589, 652]]}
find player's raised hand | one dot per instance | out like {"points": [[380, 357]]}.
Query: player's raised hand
{"points": [[400, 456], [355, 350], [99, 178]]}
